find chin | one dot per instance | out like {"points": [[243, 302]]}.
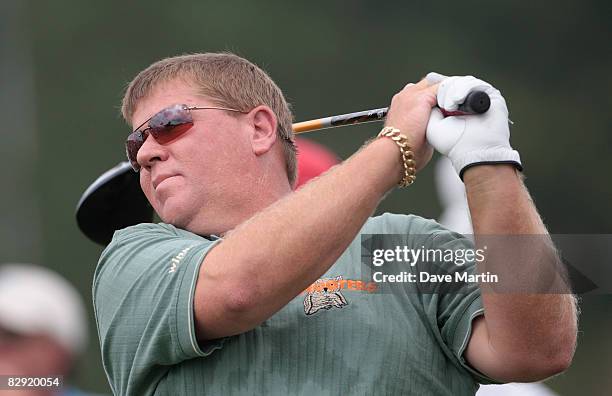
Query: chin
{"points": [[174, 212], [186, 214], [176, 219]]}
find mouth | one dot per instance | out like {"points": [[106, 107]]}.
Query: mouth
{"points": [[160, 179]]}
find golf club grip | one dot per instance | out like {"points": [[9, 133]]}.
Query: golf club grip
{"points": [[476, 102]]}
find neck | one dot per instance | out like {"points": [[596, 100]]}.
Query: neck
{"points": [[257, 196]]}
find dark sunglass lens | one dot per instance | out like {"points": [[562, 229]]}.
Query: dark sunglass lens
{"points": [[164, 126], [170, 123], [133, 143], [164, 135], [172, 116]]}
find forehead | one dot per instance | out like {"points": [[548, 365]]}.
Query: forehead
{"points": [[164, 95]]}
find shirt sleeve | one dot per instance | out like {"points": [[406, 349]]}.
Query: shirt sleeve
{"points": [[143, 299], [457, 306]]}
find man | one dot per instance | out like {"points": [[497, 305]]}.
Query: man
{"points": [[250, 288], [43, 329]]}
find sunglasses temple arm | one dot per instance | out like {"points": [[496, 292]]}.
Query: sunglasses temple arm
{"points": [[358, 117]]}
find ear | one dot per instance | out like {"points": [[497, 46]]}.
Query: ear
{"points": [[264, 125]]}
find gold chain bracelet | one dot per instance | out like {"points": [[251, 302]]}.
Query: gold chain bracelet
{"points": [[407, 155]]}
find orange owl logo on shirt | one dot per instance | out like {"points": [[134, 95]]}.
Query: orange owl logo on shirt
{"points": [[324, 294]]}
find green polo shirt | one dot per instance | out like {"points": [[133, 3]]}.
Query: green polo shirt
{"points": [[340, 336]]}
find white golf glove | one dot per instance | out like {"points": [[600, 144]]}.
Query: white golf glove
{"points": [[471, 139]]}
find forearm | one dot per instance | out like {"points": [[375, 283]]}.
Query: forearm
{"points": [[533, 318], [279, 252]]}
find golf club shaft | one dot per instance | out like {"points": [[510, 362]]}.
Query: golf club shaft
{"points": [[359, 117], [476, 102]]}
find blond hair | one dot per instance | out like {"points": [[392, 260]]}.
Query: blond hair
{"points": [[229, 81]]}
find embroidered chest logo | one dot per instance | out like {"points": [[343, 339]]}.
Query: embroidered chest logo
{"points": [[176, 260], [324, 294]]}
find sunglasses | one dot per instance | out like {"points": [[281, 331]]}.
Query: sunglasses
{"points": [[165, 126]]}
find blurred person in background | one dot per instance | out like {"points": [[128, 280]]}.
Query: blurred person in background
{"points": [[43, 327], [209, 300], [313, 159]]}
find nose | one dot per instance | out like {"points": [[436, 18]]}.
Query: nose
{"points": [[150, 152]]}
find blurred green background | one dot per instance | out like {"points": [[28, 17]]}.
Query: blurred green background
{"points": [[64, 66]]}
